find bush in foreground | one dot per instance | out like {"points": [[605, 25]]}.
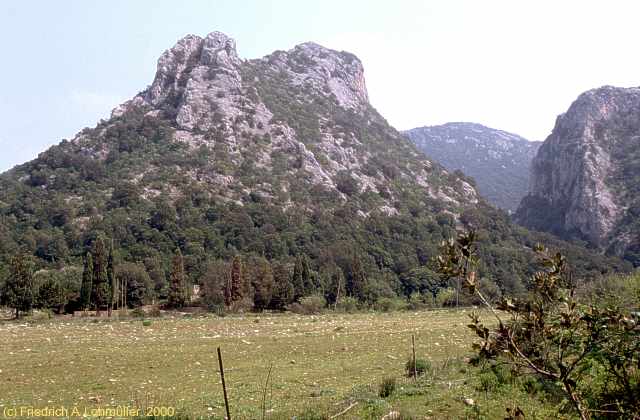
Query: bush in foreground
{"points": [[590, 349], [422, 366], [387, 387]]}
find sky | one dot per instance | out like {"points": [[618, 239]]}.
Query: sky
{"points": [[513, 65]]}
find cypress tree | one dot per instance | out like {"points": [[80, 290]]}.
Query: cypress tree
{"points": [[227, 289], [100, 288], [17, 292], [335, 289], [298, 279], [357, 281], [237, 291], [214, 283], [176, 298], [262, 283], [158, 277], [283, 292], [111, 278], [307, 278], [87, 281]]}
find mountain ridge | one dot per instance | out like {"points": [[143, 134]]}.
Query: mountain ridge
{"points": [[496, 159], [277, 157]]}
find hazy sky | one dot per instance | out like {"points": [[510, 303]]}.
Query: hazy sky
{"points": [[510, 64]]}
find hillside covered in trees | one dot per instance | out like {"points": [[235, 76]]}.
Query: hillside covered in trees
{"points": [[261, 181]]}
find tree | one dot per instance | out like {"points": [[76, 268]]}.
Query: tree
{"points": [[335, 289], [357, 280], [283, 291], [307, 277], [100, 293], [71, 282], [111, 278], [137, 280], [17, 291], [51, 294], [235, 290], [87, 282], [302, 279], [261, 276], [214, 281], [165, 216], [177, 283], [422, 280], [158, 277], [297, 281]]}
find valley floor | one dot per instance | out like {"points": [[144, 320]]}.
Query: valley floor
{"points": [[321, 366]]}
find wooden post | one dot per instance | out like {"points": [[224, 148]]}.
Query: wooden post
{"points": [[224, 386], [264, 393], [415, 368], [335, 306]]}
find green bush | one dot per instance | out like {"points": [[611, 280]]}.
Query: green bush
{"points": [[347, 304], [488, 381], [308, 305], [422, 366], [387, 387], [146, 323], [386, 304], [446, 297], [417, 302], [503, 374]]}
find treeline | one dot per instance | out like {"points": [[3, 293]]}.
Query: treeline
{"points": [[101, 285], [242, 283], [54, 208]]}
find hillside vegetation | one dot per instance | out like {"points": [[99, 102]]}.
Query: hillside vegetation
{"points": [[275, 172]]}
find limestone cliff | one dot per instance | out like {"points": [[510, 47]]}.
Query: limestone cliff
{"points": [[584, 179]]}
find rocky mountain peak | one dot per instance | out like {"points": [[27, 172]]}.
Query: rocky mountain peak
{"points": [[303, 111], [175, 66], [199, 78], [595, 106], [219, 50], [325, 70]]}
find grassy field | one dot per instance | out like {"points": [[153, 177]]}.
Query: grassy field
{"points": [[321, 365]]}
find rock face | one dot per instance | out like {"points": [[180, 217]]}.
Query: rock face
{"points": [[196, 75], [584, 179], [296, 105], [498, 161]]}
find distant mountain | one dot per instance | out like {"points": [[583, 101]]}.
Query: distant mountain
{"points": [[586, 177], [275, 157], [499, 161]]}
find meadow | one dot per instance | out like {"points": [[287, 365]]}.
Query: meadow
{"points": [[320, 366]]}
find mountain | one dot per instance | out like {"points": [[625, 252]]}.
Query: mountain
{"points": [[277, 157], [585, 179], [498, 161]]}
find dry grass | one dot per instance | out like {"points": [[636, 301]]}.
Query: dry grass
{"points": [[318, 361]]}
